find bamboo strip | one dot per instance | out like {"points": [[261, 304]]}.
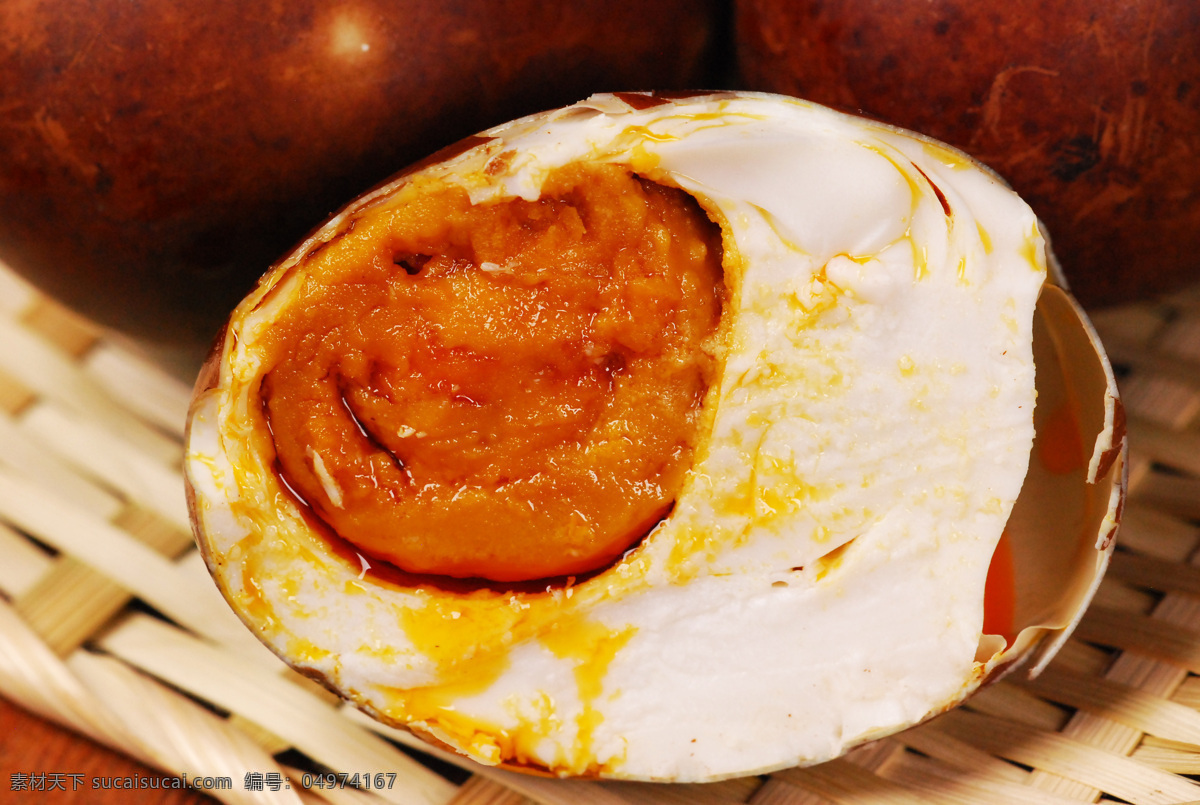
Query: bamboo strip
{"points": [[34, 676], [742, 788], [1155, 574], [1172, 760], [1178, 449], [1171, 494], [1156, 533], [1168, 401], [1133, 707], [151, 529], [270, 701], [1009, 701], [1138, 467], [1182, 340], [1167, 743], [1137, 323], [104, 455], [269, 741], [1158, 678], [480, 791], [545, 791], [1188, 694], [15, 293], [28, 457], [1115, 594], [1132, 352], [738, 788], [956, 754], [136, 567], [140, 387], [14, 395], [1142, 634], [47, 372], [777, 792], [339, 796], [1141, 785], [69, 603], [1083, 658], [177, 735], [23, 563], [149, 722], [68, 331], [873, 759], [931, 778], [726, 792], [845, 783]]}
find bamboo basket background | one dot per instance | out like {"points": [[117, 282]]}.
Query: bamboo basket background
{"points": [[110, 626]]}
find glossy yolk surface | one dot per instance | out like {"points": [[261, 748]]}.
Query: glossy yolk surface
{"points": [[508, 391]]}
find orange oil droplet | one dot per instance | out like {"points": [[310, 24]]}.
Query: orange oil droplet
{"points": [[999, 595], [1060, 448]]}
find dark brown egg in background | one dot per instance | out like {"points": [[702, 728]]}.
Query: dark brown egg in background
{"points": [[156, 157], [1090, 110]]}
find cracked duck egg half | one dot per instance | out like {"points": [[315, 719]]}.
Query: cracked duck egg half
{"points": [[664, 438]]}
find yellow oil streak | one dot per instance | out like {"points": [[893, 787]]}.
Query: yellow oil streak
{"points": [[592, 646], [1032, 251], [984, 238]]}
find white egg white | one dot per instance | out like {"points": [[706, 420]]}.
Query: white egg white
{"points": [[820, 580]]}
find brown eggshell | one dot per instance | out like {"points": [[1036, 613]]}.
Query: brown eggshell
{"points": [[1090, 110], [157, 156]]}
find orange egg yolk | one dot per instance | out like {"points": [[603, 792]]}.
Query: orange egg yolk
{"points": [[508, 390]]}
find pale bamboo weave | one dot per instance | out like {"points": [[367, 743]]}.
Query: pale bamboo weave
{"points": [[110, 626]]}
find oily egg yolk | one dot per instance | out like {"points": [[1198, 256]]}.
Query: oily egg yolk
{"points": [[506, 391]]}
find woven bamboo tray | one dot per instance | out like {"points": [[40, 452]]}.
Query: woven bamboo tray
{"points": [[110, 626]]}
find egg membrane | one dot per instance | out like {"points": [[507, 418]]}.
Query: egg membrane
{"points": [[820, 579]]}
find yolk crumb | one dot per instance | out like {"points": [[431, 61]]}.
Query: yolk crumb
{"points": [[507, 391]]}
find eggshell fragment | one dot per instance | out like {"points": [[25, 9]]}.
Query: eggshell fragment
{"points": [[820, 580]]}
